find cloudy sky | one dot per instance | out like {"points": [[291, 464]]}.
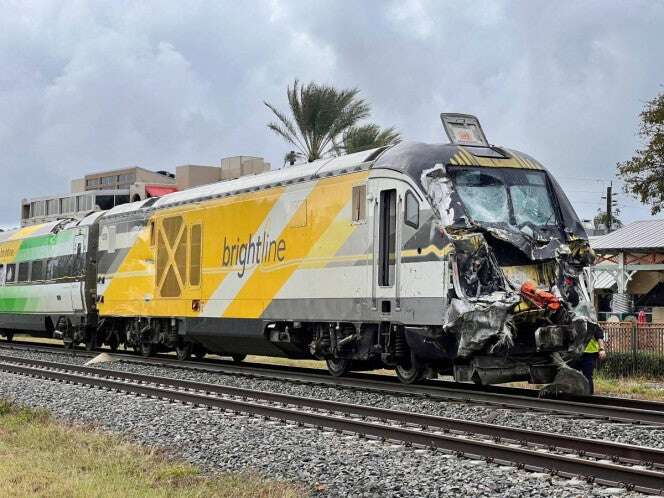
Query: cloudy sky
{"points": [[98, 85]]}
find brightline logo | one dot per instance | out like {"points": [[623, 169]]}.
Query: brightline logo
{"points": [[7, 252], [253, 252]]}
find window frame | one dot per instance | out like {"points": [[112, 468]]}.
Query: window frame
{"points": [[13, 266], [190, 267], [41, 263], [416, 224], [358, 205], [387, 237], [20, 266]]}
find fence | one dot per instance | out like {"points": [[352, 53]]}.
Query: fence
{"points": [[633, 349]]}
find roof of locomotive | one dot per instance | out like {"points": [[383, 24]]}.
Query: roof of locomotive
{"points": [[410, 158], [278, 177]]}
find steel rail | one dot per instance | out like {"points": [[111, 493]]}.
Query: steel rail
{"points": [[646, 480], [635, 454], [622, 410]]}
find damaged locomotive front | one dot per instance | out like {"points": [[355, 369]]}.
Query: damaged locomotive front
{"points": [[518, 307]]}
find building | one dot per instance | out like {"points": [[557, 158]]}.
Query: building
{"points": [[139, 183], [106, 189], [628, 274], [73, 205], [97, 191]]}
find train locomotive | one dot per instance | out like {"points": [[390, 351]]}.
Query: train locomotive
{"points": [[461, 258]]}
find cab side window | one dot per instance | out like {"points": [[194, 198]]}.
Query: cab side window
{"points": [[359, 203], [10, 276], [412, 211]]}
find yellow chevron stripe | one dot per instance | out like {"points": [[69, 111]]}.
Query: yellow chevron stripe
{"points": [[431, 249], [331, 241], [460, 159], [464, 158], [534, 164], [470, 159], [329, 197], [519, 160], [26, 231]]}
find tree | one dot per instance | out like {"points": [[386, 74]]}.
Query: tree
{"points": [[320, 114], [365, 137], [602, 218], [643, 174]]}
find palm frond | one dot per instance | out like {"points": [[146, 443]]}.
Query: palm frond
{"points": [[319, 116], [369, 136]]}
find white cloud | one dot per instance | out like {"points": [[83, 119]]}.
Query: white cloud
{"points": [[100, 85]]}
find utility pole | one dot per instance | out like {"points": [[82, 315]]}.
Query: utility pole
{"points": [[609, 208]]}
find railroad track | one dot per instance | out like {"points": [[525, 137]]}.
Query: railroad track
{"points": [[598, 407], [609, 463]]}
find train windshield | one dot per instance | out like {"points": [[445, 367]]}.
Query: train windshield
{"points": [[505, 195]]}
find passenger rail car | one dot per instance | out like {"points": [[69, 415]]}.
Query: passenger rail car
{"points": [[460, 258], [47, 277]]}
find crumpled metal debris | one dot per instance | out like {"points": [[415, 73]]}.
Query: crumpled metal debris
{"points": [[482, 324], [568, 381], [438, 187]]}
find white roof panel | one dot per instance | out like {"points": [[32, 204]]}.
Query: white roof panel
{"points": [[283, 175], [644, 234], [127, 208]]}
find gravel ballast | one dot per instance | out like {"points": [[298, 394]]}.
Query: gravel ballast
{"points": [[344, 465], [341, 465], [642, 435]]}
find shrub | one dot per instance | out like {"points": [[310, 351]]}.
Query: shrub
{"points": [[641, 364]]}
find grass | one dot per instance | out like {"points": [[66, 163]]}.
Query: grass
{"points": [[44, 458], [630, 387]]}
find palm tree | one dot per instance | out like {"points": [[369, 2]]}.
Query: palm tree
{"points": [[602, 218], [320, 114], [365, 137]]}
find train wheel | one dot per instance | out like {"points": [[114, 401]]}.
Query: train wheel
{"points": [[9, 336], [91, 342], [183, 351], [238, 358], [147, 349], [113, 342], [199, 352], [410, 372], [338, 366]]}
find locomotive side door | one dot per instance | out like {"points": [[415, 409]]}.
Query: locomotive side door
{"points": [[77, 270], [195, 263], [386, 206]]}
